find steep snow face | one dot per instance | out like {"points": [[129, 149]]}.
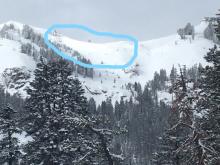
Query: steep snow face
{"points": [[153, 55], [165, 52], [10, 56], [117, 53]]}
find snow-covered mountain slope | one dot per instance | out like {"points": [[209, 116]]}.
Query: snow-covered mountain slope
{"points": [[153, 55], [10, 55]]}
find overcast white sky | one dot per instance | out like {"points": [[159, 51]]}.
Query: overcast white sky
{"points": [[144, 19]]}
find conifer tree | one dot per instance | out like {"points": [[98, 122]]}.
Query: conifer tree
{"points": [[173, 143], [57, 119], [10, 151], [209, 102]]}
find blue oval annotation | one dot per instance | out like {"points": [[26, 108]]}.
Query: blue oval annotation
{"points": [[89, 30]]}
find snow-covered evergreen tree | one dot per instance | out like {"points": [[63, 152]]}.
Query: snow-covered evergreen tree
{"points": [[58, 120], [217, 25], [209, 102], [10, 151], [174, 142]]}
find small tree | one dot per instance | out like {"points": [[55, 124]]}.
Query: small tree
{"points": [[181, 33]]}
